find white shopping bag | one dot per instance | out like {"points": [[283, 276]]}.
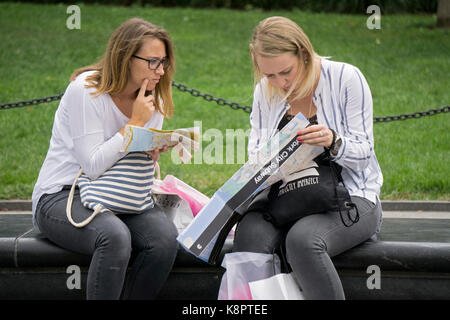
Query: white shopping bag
{"points": [[243, 267], [282, 286]]}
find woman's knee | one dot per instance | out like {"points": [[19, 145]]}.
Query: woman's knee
{"points": [[255, 234], [114, 236], [167, 242], [161, 239], [303, 238]]}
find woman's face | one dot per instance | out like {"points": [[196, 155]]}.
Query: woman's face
{"points": [[151, 48], [280, 70]]}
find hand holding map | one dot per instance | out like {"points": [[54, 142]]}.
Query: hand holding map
{"points": [[147, 139]]}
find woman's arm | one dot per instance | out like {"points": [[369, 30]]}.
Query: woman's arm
{"points": [[86, 114], [86, 119], [356, 132], [357, 135]]}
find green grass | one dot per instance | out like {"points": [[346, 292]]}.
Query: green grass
{"points": [[406, 63]]}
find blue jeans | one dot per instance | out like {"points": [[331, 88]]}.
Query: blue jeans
{"points": [[110, 238], [310, 243]]}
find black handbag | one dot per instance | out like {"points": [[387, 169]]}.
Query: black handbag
{"points": [[314, 190]]}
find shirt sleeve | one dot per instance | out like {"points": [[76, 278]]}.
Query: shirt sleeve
{"points": [[357, 139], [94, 154], [255, 122]]}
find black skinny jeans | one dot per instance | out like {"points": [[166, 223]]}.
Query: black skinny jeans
{"points": [[110, 238]]}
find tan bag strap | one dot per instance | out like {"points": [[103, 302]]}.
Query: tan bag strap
{"points": [[158, 171], [97, 208]]}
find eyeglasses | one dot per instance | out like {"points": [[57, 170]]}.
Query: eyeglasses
{"points": [[154, 64]]}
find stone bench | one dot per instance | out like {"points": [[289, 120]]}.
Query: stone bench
{"points": [[31, 267]]}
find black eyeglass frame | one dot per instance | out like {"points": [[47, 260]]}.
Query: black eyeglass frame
{"points": [[162, 61]]}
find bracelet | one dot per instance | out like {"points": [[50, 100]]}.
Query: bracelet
{"points": [[334, 140]]}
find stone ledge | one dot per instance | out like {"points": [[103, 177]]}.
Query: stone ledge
{"points": [[387, 205]]}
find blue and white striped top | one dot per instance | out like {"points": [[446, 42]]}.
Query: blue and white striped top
{"points": [[344, 104]]}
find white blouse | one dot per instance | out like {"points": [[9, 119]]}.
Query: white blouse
{"points": [[85, 134], [344, 103]]}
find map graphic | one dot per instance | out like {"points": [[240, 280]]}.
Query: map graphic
{"points": [[147, 139]]}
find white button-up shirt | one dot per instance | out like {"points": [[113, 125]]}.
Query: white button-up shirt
{"points": [[344, 104]]}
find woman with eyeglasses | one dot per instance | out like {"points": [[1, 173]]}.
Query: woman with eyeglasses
{"points": [[290, 78], [130, 85]]}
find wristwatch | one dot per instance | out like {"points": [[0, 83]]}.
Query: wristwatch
{"points": [[336, 144]]}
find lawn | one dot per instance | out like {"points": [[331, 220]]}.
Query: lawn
{"points": [[406, 63]]}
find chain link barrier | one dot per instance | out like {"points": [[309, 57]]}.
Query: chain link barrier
{"points": [[32, 102], [232, 105], [208, 97]]}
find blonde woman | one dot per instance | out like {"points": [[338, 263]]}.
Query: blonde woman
{"points": [[291, 78], [131, 84]]}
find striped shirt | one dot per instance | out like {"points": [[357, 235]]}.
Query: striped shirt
{"points": [[344, 104]]}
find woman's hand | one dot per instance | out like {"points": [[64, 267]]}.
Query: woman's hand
{"points": [[143, 107], [316, 135], [154, 154]]}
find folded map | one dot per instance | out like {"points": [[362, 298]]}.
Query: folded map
{"points": [[148, 139]]}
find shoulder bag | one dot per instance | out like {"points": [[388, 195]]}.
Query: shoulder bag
{"points": [[124, 188], [318, 189]]}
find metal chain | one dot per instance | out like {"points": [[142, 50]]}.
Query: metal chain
{"points": [[232, 105], [208, 97], [33, 102], [415, 115], [235, 106]]}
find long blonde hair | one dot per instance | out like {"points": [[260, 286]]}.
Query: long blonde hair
{"points": [[275, 36], [113, 72]]}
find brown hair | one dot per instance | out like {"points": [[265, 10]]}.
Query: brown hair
{"points": [[112, 71]]}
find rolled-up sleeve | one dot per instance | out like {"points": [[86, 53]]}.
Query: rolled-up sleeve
{"points": [[357, 138]]}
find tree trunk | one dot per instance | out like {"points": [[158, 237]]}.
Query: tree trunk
{"points": [[443, 14]]}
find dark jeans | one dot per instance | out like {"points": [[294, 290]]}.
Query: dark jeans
{"points": [[110, 238], [310, 243]]}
